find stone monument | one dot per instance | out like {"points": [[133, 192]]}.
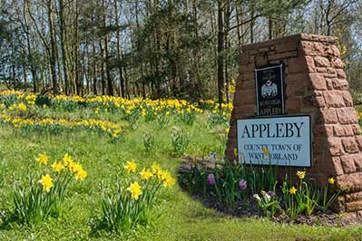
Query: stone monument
{"points": [[311, 82]]}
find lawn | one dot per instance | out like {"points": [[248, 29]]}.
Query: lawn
{"points": [[180, 216]]}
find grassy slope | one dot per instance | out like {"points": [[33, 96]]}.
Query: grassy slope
{"points": [[182, 218]]}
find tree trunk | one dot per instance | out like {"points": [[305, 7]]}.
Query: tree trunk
{"points": [[106, 54], [270, 27], [53, 48], [94, 70], [62, 32], [252, 22], [103, 79], [220, 54], [226, 47], [119, 52], [30, 52], [77, 80]]}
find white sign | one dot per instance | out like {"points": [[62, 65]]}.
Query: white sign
{"points": [[283, 141]]}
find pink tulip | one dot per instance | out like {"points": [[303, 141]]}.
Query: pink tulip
{"points": [[211, 179], [243, 184]]}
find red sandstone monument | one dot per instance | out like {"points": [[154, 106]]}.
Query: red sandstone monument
{"points": [[315, 85]]}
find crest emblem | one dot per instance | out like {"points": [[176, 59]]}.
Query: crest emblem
{"points": [[269, 89]]}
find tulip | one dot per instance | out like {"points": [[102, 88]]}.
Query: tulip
{"points": [[211, 179], [243, 184]]}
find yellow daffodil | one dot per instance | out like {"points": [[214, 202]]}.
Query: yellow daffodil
{"points": [[331, 180], [74, 167], [80, 175], [111, 128], [301, 174], [235, 152], [146, 174], [169, 181], [166, 178], [47, 182], [67, 159], [42, 159], [135, 190], [293, 190], [265, 150], [131, 166], [22, 107], [57, 166], [155, 168]]}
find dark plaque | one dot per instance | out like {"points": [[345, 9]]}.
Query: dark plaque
{"points": [[270, 90]]}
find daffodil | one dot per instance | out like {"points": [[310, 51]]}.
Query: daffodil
{"points": [[235, 152], [265, 150], [331, 180], [293, 190], [47, 182], [155, 168], [57, 166], [135, 190], [74, 167], [22, 107], [301, 174], [131, 166], [169, 181], [67, 159], [146, 174], [42, 159], [166, 178], [80, 175]]}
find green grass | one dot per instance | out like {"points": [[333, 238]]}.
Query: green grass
{"points": [[182, 218]]}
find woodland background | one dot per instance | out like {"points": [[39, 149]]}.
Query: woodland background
{"points": [[157, 49]]}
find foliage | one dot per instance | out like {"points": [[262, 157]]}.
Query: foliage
{"points": [[131, 203], [231, 184], [328, 196], [187, 116], [268, 202], [226, 185], [183, 218], [42, 198], [179, 140], [148, 141]]}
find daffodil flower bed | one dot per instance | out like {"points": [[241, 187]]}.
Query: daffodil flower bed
{"points": [[42, 197], [144, 107], [247, 188], [133, 199], [21, 104], [111, 128]]}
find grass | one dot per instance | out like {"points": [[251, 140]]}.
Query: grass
{"points": [[182, 218]]}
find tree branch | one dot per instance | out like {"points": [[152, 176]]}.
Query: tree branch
{"points": [[245, 22]]}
